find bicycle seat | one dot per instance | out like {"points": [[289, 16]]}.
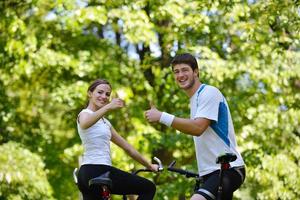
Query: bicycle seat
{"points": [[103, 179], [226, 158]]}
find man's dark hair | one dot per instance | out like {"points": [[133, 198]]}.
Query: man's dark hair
{"points": [[185, 58]]}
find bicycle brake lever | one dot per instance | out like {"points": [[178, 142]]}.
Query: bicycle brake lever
{"points": [[160, 166], [172, 164]]}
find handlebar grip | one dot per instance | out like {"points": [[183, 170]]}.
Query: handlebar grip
{"points": [[160, 167], [183, 172], [180, 171]]}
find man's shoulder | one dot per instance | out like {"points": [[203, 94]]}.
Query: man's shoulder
{"points": [[211, 89]]}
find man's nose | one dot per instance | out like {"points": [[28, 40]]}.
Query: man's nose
{"points": [[180, 73]]}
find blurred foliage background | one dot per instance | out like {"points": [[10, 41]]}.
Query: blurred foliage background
{"points": [[51, 50]]}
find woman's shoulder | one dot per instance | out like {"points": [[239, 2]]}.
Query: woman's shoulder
{"points": [[86, 110]]}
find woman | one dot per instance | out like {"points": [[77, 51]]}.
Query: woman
{"points": [[96, 132]]}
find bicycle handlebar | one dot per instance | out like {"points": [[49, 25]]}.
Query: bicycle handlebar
{"points": [[160, 167], [186, 173]]}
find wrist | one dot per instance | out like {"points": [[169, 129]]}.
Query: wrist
{"points": [[106, 108], [166, 119]]}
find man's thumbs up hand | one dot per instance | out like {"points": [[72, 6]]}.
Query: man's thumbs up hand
{"points": [[152, 115]]}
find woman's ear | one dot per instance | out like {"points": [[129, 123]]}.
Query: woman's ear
{"points": [[89, 94]]}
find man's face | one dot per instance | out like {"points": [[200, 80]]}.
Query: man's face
{"points": [[184, 75]]}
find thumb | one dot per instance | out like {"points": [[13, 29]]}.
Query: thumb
{"points": [[151, 105]]}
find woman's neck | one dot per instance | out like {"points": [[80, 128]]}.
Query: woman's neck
{"points": [[92, 107]]}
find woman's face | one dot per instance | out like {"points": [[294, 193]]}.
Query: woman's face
{"points": [[100, 96]]}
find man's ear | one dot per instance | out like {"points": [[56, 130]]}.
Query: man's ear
{"points": [[196, 71]]}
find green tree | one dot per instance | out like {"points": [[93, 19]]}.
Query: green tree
{"points": [[51, 50], [22, 174]]}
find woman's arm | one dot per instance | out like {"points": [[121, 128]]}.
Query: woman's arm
{"points": [[87, 120], [131, 151]]}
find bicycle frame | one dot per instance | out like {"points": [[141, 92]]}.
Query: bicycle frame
{"points": [[224, 161]]}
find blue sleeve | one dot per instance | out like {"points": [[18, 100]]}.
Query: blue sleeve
{"points": [[208, 104]]}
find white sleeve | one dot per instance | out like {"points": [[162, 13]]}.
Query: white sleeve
{"points": [[82, 111], [87, 111], [208, 104]]}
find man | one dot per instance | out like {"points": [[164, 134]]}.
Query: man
{"points": [[210, 125]]}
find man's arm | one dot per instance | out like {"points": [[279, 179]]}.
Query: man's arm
{"points": [[193, 127]]}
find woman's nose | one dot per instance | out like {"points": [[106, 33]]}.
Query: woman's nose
{"points": [[103, 96]]}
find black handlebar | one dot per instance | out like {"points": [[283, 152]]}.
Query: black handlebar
{"points": [[186, 173]]}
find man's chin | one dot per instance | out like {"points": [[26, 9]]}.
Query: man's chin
{"points": [[186, 87], [181, 85]]}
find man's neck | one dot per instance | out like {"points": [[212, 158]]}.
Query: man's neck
{"points": [[191, 91]]}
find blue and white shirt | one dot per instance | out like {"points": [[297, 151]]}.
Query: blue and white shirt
{"points": [[219, 138]]}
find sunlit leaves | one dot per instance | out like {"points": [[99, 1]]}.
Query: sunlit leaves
{"points": [[275, 178], [22, 174], [135, 24], [51, 50]]}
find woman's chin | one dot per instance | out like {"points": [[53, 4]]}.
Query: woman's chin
{"points": [[100, 105]]}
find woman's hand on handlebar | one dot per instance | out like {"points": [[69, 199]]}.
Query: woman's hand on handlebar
{"points": [[154, 167], [150, 167]]}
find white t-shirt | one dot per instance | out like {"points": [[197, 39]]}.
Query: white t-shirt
{"points": [[96, 141], [219, 138]]}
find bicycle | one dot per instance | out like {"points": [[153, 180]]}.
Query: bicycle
{"points": [[224, 161], [105, 183]]}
